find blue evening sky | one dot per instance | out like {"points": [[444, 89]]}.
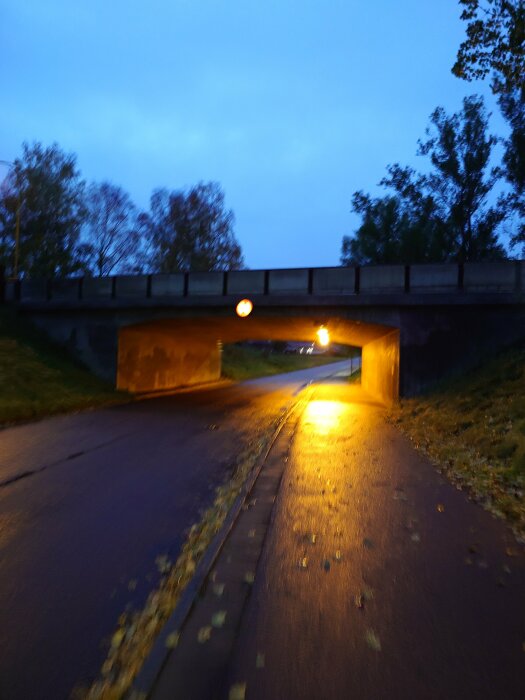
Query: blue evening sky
{"points": [[291, 105]]}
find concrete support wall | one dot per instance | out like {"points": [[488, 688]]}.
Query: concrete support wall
{"points": [[439, 343], [380, 368], [93, 341], [150, 359]]}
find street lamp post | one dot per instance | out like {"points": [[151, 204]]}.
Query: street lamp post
{"points": [[17, 226]]}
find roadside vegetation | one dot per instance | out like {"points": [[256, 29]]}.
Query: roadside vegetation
{"points": [[474, 430], [240, 361], [37, 378]]}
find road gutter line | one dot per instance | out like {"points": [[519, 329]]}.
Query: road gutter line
{"points": [[157, 658]]}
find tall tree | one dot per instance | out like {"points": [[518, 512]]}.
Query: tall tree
{"points": [[495, 46], [513, 107], [192, 230], [383, 230], [46, 184], [113, 238], [441, 215], [460, 149], [9, 205], [495, 43]]}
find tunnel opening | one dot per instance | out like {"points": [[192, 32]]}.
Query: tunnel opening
{"points": [[174, 352], [245, 359]]}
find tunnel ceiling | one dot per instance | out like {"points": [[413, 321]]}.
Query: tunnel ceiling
{"points": [[255, 327]]}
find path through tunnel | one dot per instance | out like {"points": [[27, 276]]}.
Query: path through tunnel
{"points": [[170, 353]]}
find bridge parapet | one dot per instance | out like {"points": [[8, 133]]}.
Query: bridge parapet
{"points": [[506, 276]]}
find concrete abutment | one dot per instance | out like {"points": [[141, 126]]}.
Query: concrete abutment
{"points": [[152, 359]]}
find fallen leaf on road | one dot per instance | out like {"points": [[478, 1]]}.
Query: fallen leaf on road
{"points": [[368, 593], [440, 508], [313, 538], [251, 533], [359, 601], [249, 577], [163, 564], [116, 639], [218, 619], [303, 563], [338, 555], [415, 537], [237, 692], [190, 566], [218, 589], [204, 634], [172, 640], [373, 640], [260, 661]]}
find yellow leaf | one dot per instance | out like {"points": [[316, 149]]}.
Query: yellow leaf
{"points": [[204, 634], [237, 692]]}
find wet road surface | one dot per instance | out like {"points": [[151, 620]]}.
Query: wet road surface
{"points": [[378, 579], [88, 501]]}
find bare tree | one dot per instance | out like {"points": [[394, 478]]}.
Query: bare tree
{"points": [[113, 240]]}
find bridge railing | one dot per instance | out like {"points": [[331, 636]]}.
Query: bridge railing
{"points": [[505, 276]]}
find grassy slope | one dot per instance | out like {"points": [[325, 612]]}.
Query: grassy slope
{"points": [[37, 378], [474, 429], [241, 362]]}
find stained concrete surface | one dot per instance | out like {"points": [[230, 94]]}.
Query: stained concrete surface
{"points": [[88, 501]]}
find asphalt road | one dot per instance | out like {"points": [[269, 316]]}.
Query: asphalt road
{"points": [[87, 503], [378, 579]]}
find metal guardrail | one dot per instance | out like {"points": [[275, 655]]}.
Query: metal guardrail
{"points": [[505, 276]]}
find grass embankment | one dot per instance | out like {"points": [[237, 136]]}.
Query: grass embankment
{"points": [[240, 362], [38, 378], [474, 429]]}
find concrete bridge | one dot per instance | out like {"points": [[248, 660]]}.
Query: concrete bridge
{"points": [[415, 324]]}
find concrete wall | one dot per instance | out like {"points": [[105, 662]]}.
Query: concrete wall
{"points": [[97, 288], [428, 279], [289, 281], [205, 283], [246, 282], [150, 359], [167, 285], [491, 276], [131, 286], [334, 280], [380, 368], [382, 279], [91, 339], [441, 342], [471, 279]]}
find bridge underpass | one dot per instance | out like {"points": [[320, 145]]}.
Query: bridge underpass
{"points": [[178, 352], [416, 325]]}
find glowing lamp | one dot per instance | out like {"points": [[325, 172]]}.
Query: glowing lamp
{"points": [[323, 336], [244, 308]]}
